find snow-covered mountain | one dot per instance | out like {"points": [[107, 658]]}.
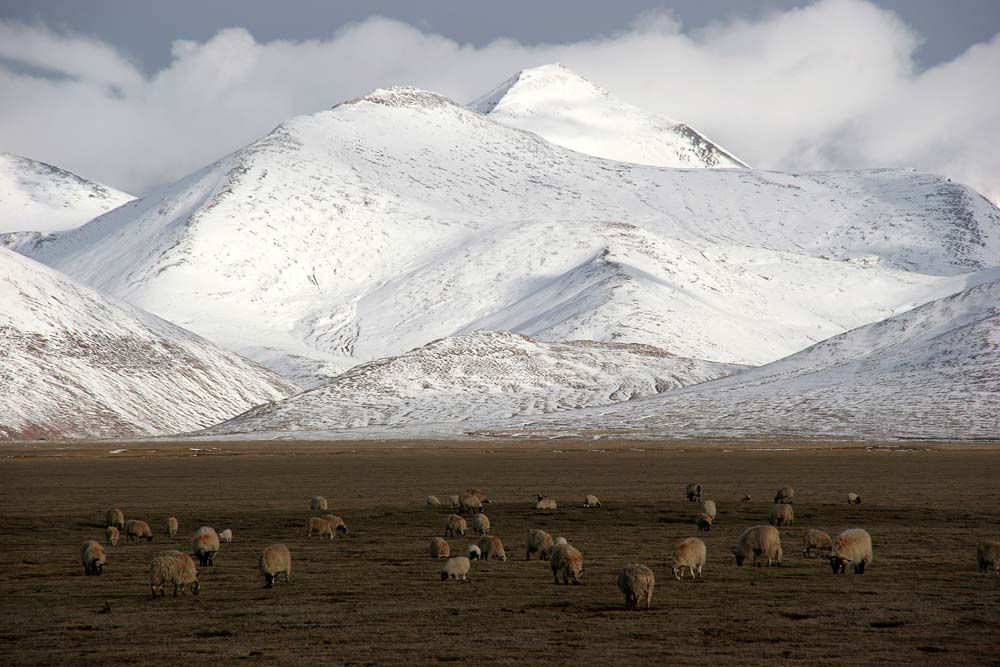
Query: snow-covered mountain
{"points": [[399, 218], [37, 197], [933, 372], [75, 364], [570, 111], [484, 375]]}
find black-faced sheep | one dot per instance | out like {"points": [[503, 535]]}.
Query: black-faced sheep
{"points": [[760, 542], [114, 517], [785, 494], [173, 567], [205, 545], [543, 503], [781, 515], [853, 546], [456, 567], [853, 499], [137, 530], [480, 524], [440, 548], [704, 521], [988, 555], [318, 503], [275, 560], [337, 524], [539, 542], [93, 557], [815, 542], [172, 527], [689, 554], [111, 534], [566, 562], [636, 582], [320, 527], [472, 552], [693, 492], [591, 501], [492, 548], [454, 525]]}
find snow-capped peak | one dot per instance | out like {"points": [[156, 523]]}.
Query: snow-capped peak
{"points": [[403, 96]]}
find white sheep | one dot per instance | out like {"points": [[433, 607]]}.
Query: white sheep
{"points": [[539, 542], [491, 547], [93, 557], [567, 562], [114, 517], [781, 515], [473, 552], [708, 507], [817, 541], [205, 545], [136, 530], [591, 501], [853, 546], [988, 555], [433, 501], [172, 527], [454, 525], [543, 503], [337, 524], [320, 527], [480, 524], [456, 567], [785, 494], [704, 521], [761, 542], [636, 582], [454, 502], [275, 560], [693, 492], [853, 498], [470, 504], [173, 567], [226, 536], [440, 548], [689, 554], [111, 533], [318, 503]]}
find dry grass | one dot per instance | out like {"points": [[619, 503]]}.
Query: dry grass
{"points": [[374, 597]]}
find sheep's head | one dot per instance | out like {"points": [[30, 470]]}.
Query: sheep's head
{"points": [[838, 563], [342, 529], [740, 556], [444, 575], [540, 497]]}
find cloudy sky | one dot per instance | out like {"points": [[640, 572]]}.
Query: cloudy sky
{"points": [[139, 94]]}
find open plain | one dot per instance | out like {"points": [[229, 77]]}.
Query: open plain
{"points": [[374, 596]]}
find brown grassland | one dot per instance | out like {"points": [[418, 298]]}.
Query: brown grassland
{"points": [[374, 597]]}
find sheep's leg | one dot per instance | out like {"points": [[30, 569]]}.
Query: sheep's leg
{"points": [[286, 576], [175, 590]]}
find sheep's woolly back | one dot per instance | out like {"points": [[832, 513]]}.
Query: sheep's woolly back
{"points": [[318, 503], [456, 567], [591, 501], [275, 559], [491, 547], [440, 548], [336, 523], [690, 552], [853, 499], [815, 539], [559, 541], [759, 542], [545, 504], [226, 536], [539, 542], [92, 556], [470, 503], [432, 500], [455, 525], [988, 555], [172, 527], [636, 582], [319, 526], [853, 545], [480, 524], [114, 517], [134, 528], [781, 515], [172, 567], [785, 494], [567, 562], [111, 533], [205, 541], [708, 507]]}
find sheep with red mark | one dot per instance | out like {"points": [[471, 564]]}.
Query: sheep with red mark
{"points": [[93, 557], [440, 548], [689, 554], [205, 545]]}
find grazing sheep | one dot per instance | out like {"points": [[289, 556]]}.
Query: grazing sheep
{"points": [[591, 501], [689, 554], [566, 561], [472, 552], [479, 494], [491, 547], [693, 492], [854, 546], [226, 536], [432, 500], [708, 507], [988, 555], [114, 517], [135, 529], [480, 524], [815, 540], [704, 521], [745, 498], [539, 542], [440, 548], [636, 582], [543, 503], [853, 498], [454, 502], [112, 535], [205, 545], [785, 494], [337, 524], [761, 542], [470, 504], [454, 525], [93, 557], [318, 503], [172, 527], [456, 567], [559, 541], [319, 526], [275, 560], [173, 567], [781, 515]]}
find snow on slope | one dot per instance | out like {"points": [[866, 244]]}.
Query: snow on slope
{"points": [[400, 218], [488, 374], [933, 372], [38, 197], [74, 364], [570, 111]]}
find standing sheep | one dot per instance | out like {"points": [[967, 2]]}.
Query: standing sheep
{"points": [[785, 494], [275, 560], [491, 547], [337, 524], [173, 567], [454, 525], [479, 494], [433, 501], [135, 530], [704, 522], [172, 527], [454, 502], [853, 546], [815, 540], [781, 515], [93, 557], [205, 545], [543, 503], [470, 504], [591, 501], [761, 542], [472, 552], [689, 554], [636, 582], [539, 542], [456, 567], [693, 492], [318, 503], [319, 526], [708, 507], [114, 517], [480, 524], [988, 555], [566, 561], [853, 499], [440, 548], [226, 536], [112, 535]]}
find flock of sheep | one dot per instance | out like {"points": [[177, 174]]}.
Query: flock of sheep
{"points": [[760, 544]]}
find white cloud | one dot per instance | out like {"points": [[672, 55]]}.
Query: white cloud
{"points": [[828, 86]]}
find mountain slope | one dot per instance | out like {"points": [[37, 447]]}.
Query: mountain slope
{"points": [[933, 372], [38, 197], [570, 111], [76, 365], [400, 218], [485, 375]]}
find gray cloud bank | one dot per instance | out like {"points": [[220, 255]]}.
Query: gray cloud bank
{"points": [[829, 86]]}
